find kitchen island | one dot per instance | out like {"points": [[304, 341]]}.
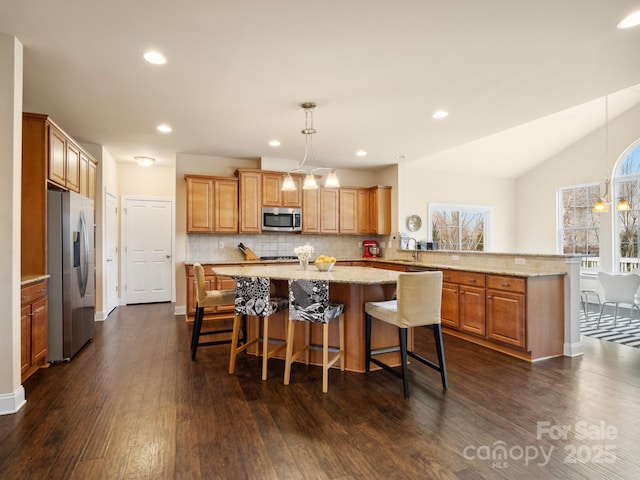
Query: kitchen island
{"points": [[353, 286]]}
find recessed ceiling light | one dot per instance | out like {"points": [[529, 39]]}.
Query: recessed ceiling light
{"points": [[361, 153], [630, 21], [144, 161], [274, 143], [155, 57], [164, 128], [440, 114]]}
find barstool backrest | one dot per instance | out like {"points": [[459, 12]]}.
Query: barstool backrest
{"points": [[253, 297], [309, 301], [201, 291], [419, 298]]}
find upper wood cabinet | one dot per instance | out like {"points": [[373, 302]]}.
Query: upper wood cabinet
{"points": [[380, 210], [348, 210], [88, 168], [250, 198], [52, 158], [329, 210], [273, 196], [64, 160], [212, 204], [311, 211]]}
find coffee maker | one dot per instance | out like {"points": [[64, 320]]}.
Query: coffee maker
{"points": [[371, 249]]}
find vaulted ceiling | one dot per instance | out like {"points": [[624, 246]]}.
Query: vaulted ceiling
{"points": [[521, 80]]}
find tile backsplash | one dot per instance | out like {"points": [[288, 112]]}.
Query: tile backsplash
{"points": [[206, 248]]}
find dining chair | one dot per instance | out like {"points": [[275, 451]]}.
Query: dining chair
{"points": [[253, 298], [309, 303], [418, 303], [618, 289], [207, 298]]}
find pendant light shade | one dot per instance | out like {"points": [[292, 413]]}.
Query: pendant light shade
{"points": [[332, 180], [309, 182], [623, 205], [288, 184], [600, 206]]}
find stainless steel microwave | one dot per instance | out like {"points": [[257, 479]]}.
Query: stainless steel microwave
{"points": [[275, 219]]}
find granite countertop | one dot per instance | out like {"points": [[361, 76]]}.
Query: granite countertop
{"points": [[495, 270], [339, 274], [29, 279]]}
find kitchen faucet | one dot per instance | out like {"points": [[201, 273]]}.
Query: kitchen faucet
{"points": [[414, 254]]}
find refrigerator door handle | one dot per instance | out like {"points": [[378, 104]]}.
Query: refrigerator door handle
{"points": [[85, 264]]}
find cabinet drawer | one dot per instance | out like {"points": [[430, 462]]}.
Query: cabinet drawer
{"points": [[509, 284], [30, 293], [464, 278]]}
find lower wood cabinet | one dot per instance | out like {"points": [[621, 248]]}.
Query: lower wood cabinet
{"points": [[506, 310], [33, 325], [212, 282], [520, 316]]}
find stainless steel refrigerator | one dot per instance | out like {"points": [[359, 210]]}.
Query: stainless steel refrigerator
{"points": [[71, 266]]}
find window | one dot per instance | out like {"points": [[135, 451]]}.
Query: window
{"points": [[460, 227], [579, 227], [627, 186]]}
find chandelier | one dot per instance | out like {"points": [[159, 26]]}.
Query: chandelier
{"points": [[288, 185], [602, 205]]}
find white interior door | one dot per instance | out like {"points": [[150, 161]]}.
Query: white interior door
{"points": [[111, 267], [148, 250]]}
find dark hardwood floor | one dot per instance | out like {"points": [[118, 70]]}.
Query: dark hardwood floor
{"points": [[132, 404]]}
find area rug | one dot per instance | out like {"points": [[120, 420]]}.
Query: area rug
{"points": [[625, 332]]}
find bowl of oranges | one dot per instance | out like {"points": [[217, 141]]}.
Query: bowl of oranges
{"points": [[324, 263]]}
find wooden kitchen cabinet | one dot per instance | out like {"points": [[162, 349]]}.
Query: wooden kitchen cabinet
{"points": [[329, 210], [364, 211], [250, 200], [506, 310], [380, 210], [520, 316], [33, 328], [87, 182], [212, 204], [311, 211], [272, 194], [450, 315], [50, 158], [348, 210], [212, 282], [64, 159]]}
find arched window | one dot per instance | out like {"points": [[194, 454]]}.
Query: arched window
{"points": [[626, 181]]}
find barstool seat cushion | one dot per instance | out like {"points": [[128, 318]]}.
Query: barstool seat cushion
{"points": [[217, 297], [386, 311]]}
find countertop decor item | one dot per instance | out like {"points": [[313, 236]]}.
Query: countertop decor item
{"points": [[304, 253]]}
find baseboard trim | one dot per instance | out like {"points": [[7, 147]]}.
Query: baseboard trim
{"points": [[573, 349], [12, 402], [180, 310]]}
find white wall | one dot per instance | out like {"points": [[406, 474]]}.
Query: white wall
{"points": [[418, 186], [11, 72], [106, 181], [582, 162]]}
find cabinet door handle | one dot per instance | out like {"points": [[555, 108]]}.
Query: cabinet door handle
{"points": [[461, 293], [490, 297], [472, 280], [505, 284]]}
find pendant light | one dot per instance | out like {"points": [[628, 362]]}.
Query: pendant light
{"points": [[310, 183], [602, 205]]}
